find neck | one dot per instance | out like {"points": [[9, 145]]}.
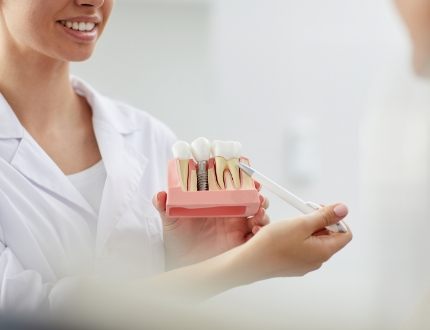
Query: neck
{"points": [[37, 87]]}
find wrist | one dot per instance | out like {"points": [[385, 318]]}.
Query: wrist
{"points": [[243, 265]]}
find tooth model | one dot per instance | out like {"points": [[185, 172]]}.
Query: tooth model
{"points": [[201, 186], [182, 153], [201, 149], [246, 180], [227, 155]]}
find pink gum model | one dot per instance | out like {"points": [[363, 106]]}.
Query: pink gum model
{"points": [[208, 204]]}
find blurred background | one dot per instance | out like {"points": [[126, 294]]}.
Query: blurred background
{"points": [[322, 97]]}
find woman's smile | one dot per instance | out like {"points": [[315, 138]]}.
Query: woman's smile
{"points": [[82, 29]]}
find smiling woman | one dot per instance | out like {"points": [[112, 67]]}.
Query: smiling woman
{"points": [[78, 172], [51, 38]]}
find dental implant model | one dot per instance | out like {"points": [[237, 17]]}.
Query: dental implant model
{"points": [[201, 149], [205, 185]]}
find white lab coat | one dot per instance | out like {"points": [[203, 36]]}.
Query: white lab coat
{"points": [[49, 234]]}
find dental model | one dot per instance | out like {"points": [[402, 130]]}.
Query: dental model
{"points": [[182, 153], [210, 186]]}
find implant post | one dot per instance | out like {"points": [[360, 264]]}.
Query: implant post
{"points": [[202, 176], [201, 149]]}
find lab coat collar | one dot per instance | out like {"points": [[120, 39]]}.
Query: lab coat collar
{"points": [[31, 160], [124, 165], [10, 127], [101, 106]]}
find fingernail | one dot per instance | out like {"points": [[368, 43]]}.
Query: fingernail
{"points": [[341, 210]]}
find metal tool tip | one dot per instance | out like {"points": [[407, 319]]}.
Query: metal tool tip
{"points": [[246, 168]]}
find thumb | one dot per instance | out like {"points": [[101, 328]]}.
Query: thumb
{"points": [[159, 202], [326, 216]]}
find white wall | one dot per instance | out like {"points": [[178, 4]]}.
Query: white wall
{"points": [[155, 56], [279, 62], [255, 70]]}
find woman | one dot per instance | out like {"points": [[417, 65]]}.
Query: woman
{"points": [[78, 172]]}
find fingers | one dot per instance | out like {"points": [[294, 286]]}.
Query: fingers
{"points": [[264, 202], [333, 243], [159, 201], [324, 217], [257, 185], [260, 219]]}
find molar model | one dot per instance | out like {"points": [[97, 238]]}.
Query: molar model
{"points": [[206, 181]]}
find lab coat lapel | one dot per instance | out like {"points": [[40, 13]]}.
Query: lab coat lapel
{"points": [[125, 168], [33, 162], [124, 165]]}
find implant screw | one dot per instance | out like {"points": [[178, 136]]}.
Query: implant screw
{"points": [[202, 176]]}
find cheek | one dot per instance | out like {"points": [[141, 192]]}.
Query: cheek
{"points": [[24, 27], [107, 11]]}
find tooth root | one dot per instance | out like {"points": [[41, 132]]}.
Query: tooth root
{"points": [[220, 166], [229, 185], [213, 184], [192, 176], [247, 181], [234, 170], [183, 173]]}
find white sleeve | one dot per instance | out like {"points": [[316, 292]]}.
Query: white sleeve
{"points": [[20, 289], [24, 290]]}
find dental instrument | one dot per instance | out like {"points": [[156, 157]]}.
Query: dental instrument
{"points": [[289, 197]]}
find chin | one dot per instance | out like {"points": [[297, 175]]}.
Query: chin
{"points": [[78, 57], [421, 62], [422, 67]]}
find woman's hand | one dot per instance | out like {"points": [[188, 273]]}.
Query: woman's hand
{"points": [[294, 247], [191, 240], [286, 248]]}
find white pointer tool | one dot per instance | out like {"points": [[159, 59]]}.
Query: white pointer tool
{"points": [[290, 198]]}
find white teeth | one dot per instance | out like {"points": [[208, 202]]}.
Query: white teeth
{"points": [[79, 26], [201, 149], [182, 150], [204, 175], [226, 149], [90, 26], [227, 154]]}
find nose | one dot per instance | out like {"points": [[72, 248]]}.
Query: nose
{"points": [[90, 3]]}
